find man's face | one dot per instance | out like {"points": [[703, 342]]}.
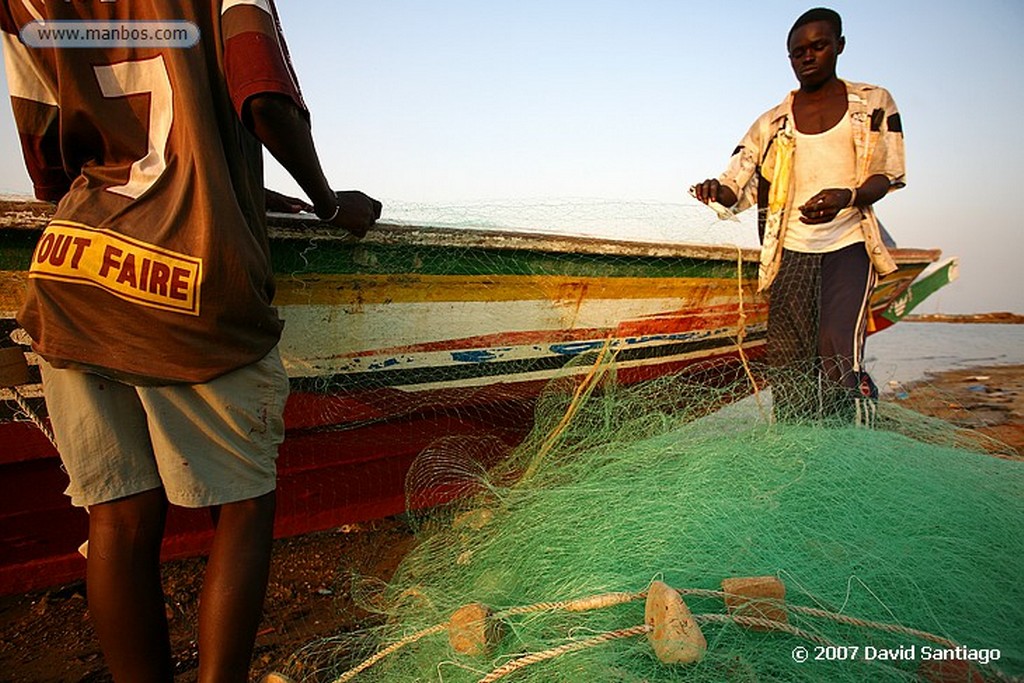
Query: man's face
{"points": [[813, 51]]}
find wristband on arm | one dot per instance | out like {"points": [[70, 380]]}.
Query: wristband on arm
{"points": [[337, 210], [853, 197]]}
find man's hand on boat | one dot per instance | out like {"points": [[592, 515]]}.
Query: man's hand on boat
{"points": [[356, 212], [282, 203], [713, 191]]}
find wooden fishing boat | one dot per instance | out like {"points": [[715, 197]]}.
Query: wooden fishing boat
{"points": [[411, 335]]}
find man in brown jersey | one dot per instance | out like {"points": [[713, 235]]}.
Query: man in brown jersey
{"points": [[149, 296]]}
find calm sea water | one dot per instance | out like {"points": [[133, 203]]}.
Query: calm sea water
{"points": [[910, 351]]}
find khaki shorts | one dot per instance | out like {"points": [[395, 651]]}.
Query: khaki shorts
{"points": [[204, 444]]}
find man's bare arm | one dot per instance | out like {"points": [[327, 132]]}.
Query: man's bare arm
{"points": [[283, 129]]}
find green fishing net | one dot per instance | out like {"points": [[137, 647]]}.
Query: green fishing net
{"points": [[905, 538]]}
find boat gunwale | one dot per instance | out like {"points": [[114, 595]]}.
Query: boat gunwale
{"points": [[31, 215]]}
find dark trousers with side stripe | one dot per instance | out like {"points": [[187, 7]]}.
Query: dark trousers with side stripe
{"points": [[817, 320]]}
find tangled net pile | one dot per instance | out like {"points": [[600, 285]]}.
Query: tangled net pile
{"points": [[903, 536]]}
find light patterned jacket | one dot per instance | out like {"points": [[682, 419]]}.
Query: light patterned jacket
{"points": [[759, 170]]}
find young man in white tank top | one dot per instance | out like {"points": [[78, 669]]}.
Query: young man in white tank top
{"points": [[815, 165]]}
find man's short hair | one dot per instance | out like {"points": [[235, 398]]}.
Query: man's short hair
{"points": [[830, 17]]}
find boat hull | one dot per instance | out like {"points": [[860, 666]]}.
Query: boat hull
{"points": [[411, 336]]}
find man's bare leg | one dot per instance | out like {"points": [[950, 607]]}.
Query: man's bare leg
{"points": [[126, 600], [231, 604]]}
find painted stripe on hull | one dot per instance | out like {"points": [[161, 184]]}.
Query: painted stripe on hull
{"points": [[359, 290], [519, 369], [673, 360], [324, 332]]}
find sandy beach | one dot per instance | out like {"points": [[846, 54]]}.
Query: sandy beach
{"points": [[988, 399], [47, 636]]}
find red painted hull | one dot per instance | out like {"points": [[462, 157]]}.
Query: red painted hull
{"points": [[326, 479], [328, 474]]}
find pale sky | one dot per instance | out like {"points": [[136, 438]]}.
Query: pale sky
{"points": [[451, 102]]}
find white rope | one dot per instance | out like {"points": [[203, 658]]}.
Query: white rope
{"points": [[25, 408]]}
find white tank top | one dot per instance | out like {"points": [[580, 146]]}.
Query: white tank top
{"points": [[821, 161]]}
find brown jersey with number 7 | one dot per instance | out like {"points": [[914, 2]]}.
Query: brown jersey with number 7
{"points": [[156, 265]]}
